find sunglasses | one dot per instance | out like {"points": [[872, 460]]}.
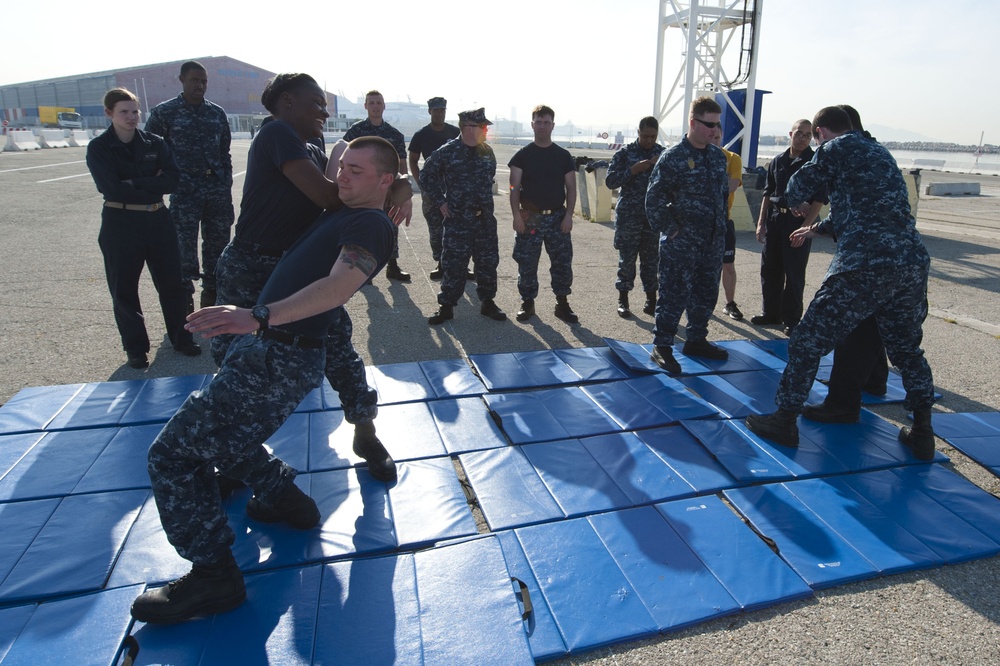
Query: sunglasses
{"points": [[708, 124]]}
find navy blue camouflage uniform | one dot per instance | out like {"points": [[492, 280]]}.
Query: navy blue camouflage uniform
{"points": [[686, 202], [543, 194], [462, 176], [425, 141], [200, 138], [880, 267], [393, 136], [259, 385], [634, 238], [246, 264]]}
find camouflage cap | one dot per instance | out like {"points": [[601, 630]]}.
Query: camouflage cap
{"points": [[477, 116], [437, 103]]}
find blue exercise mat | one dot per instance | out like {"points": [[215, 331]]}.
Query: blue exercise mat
{"points": [[594, 409], [729, 400], [845, 528], [55, 464], [575, 479], [626, 574], [824, 449], [122, 463], [465, 424], [32, 408], [973, 424], [426, 380], [977, 435], [636, 357], [160, 398], [428, 504], [12, 449], [636, 469], [509, 490], [684, 454], [549, 367], [86, 629], [729, 549], [75, 549], [276, 625], [818, 554], [97, 405], [408, 431], [762, 385], [543, 635]]}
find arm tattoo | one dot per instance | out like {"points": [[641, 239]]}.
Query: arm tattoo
{"points": [[358, 257]]}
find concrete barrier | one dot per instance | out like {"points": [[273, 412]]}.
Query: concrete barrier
{"points": [[53, 138], [79, 138], [582, 208], [949, 189], [598, 195], [21, 140]]}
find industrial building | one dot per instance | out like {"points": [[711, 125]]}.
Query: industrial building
{"points": [[232, 84]]}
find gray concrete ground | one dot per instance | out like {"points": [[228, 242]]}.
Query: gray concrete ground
{"points": [[57, 328]]}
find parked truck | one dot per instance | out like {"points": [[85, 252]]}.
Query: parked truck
{"points": [[59, 116]]}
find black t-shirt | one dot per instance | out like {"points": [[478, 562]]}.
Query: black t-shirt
{"points": [[543, 181], [274, 212], [312, 257], [427, 139]]}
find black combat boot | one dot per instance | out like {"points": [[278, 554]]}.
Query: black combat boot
{"points": [[436, 273], [443, 314], [293, 508], [779, 427], [564, 311], [367, 445], [663, 356], [490, 309], [394, 272], [205, 590], [623, 310], [650, 306], [527, 310], [919, 438]]}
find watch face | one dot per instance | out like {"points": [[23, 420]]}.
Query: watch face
{"points": [[261, 313]]}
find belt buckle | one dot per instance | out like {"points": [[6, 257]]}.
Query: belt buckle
{"points": [[154, 207]]}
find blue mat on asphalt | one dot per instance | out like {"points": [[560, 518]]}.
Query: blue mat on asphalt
{"points": [[840, 529], [549, 367], [976, 434], [601, 482], [424, 607], [593, 409]]}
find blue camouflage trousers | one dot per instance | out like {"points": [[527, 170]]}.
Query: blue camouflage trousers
{"points": [[689, 274], [241, 275], [634, 239], [528, 249], [224, 427], [435, 226], [209, 208], [896, 296], [469, 236]]}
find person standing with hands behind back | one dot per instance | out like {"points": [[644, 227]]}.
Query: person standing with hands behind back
{"points": [[133, 170]]}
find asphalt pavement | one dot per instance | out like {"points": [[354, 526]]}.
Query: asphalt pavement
{"points": [[57, 327]]}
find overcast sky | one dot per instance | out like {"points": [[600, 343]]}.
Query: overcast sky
{"points": [[916, 66]]}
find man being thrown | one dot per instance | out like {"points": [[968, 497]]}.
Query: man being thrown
{"points": [[686, 204], [269, 369], [879, 268]]}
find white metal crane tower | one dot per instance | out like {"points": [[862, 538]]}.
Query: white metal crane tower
{"points": [[702, 31]]}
